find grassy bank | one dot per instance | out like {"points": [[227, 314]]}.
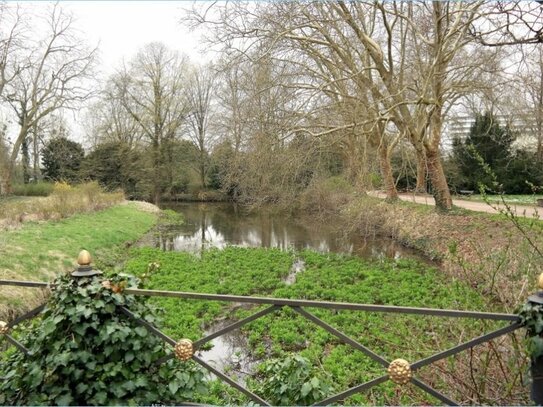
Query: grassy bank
{"points": [[63, 201], [37, 251], [490, 252], [330, 277]]}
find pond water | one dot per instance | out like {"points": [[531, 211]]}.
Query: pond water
{"points": [[217, 225], [208, 225]]}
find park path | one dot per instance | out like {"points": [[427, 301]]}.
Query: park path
{"points": [[526, 211]]}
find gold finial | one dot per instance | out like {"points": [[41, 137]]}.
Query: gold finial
{"points": [[4, 328], [540, 281], [399, 371], [184, 350], [84, 258]]}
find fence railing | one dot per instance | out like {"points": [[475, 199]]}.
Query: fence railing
{"points": [[399, 371]]}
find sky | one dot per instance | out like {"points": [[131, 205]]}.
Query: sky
{"points": [[121, 28]]}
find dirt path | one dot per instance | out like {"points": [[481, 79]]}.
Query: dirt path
{"points": [[520, 210]]}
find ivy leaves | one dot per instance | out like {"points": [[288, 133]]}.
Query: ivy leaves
{"points": [[83, 351], [531, 316]]}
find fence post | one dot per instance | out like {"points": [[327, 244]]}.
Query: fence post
{"points": [[85, 269], [536, 368]]}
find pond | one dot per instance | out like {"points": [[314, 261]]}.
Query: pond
{"points": [[216, 225], [208, 225]]}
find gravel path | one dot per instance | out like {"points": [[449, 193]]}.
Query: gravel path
{"points": [[520, 210]]}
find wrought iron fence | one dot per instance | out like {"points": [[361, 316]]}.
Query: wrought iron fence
{"points": [[399, 371]]}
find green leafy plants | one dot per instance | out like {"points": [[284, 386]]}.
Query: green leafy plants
{"points": [[531, 316], [292, 381], [83, 351]]}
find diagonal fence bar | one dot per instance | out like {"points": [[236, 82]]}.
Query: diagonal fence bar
{"points": [[275, 305], [16, 343], [342, 336], [430, 390], [236, 325], [30, 314], [231, 382], [148, 326], [353, 390], [469, 344]]}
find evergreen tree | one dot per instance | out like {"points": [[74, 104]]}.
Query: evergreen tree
{"points": [[488, 144], [61, 160]]}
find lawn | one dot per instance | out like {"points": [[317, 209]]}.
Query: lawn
{"points": [[510, 199], [40, 250]]}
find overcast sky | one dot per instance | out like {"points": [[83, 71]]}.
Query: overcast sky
{"points": [[122, 27]]}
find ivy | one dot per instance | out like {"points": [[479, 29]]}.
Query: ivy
{"points": [[83, 351], [531, 316]]}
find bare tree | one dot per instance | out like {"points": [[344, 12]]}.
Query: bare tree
{"points": [[52, 78], [199, 94], [151, 90], [11, 37], [108, 120]]}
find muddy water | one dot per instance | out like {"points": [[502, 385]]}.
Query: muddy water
{"points": [[218, 225]]}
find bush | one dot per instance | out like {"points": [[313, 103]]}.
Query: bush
{"points": [[67, 200], [291, 382], [61, 159], [84, 351], [326, 195], [33, 189]]}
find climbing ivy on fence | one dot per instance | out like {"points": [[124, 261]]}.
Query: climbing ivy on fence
{"points": [[83, 351], [531, 316]]}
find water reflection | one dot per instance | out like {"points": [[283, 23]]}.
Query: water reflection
{"points": [[208, 225]]}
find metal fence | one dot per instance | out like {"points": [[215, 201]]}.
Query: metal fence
{"points": [[399, 371]]}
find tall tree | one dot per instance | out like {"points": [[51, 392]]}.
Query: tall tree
{"points": [[62, 159], [151, 89], [199, 93], [400, 64], [51, 78], [488, 144]]}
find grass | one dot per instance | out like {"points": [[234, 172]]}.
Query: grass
{"points": [[330, 277], [65, 200], [37, 251], [510, 199]]}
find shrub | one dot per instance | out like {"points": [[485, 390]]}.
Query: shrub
{"points": [[33, 189], [62, 192], [326, 195], [61, 159], [84, 351], [291, 382]]}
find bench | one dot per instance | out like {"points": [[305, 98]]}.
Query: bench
{"points": [[466, 192]]}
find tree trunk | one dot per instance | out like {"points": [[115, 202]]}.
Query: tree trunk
{"points": [[386, 172], [5, 182], [202, 169], [156, 165], [26, 161], [440, 189], [35, 154], [421, 172]]}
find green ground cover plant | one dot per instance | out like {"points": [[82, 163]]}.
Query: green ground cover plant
{"points": [[40, 250], [83, 351], [330, 277]]}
